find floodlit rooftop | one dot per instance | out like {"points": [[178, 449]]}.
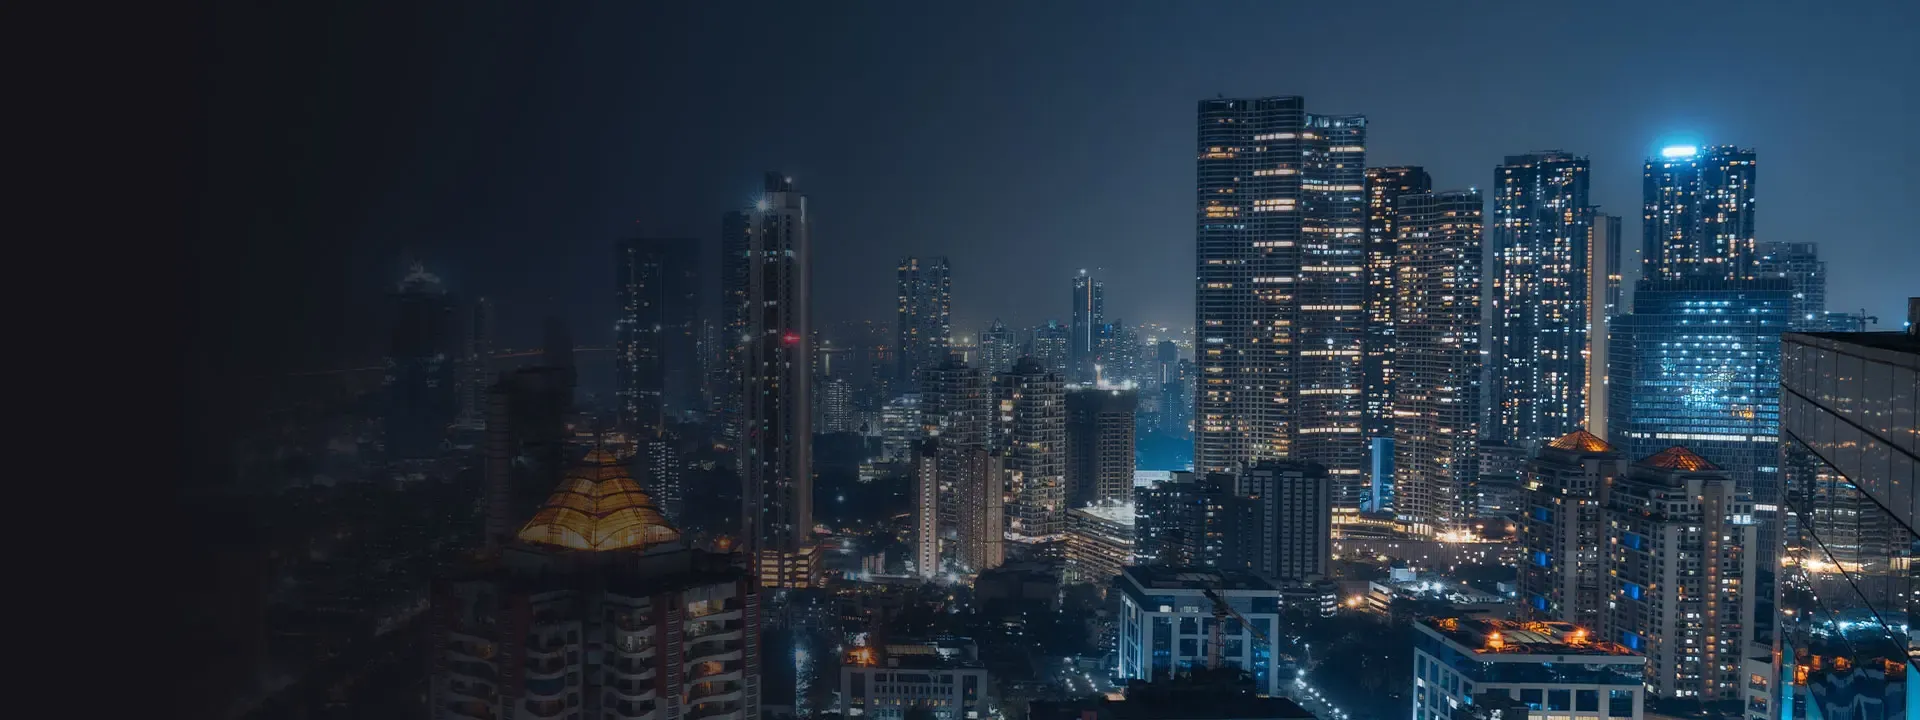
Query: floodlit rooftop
{"points": [[1516, 637], [599, 507], [1677, 458], [1580, 441]]}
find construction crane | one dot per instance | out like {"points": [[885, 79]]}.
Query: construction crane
{"points": [[1222, 611]]}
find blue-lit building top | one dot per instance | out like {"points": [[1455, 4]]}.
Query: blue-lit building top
{"points": [[1697, 364], [1699, 210]]}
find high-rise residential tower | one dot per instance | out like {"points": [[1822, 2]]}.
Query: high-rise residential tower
{"points": [[1100, 431], [1563, 531], [1800, 265], [776, 446], [1385, 186], [656, 281], [1089, 315], [596, 610], [1540, 230], [1030, 427], [956, 410], [1682, 575], [1603, 303], [1699, 207], [925, 316], [1437, 367], [998, 348], [1295, 505], [420, 368], [1049, 344], [1280, 301]]}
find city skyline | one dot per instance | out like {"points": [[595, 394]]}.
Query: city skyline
{"points": [[526, 400], [1614, 115]]}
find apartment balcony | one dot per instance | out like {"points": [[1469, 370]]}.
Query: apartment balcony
{"points": [[544, 708], [714, 671], [712, 653], [632, 670], [715, 692], [632, 709], [633, 690], [712, 710]]}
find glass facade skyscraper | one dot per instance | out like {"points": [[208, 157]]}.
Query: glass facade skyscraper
{"points": [[1280, 288], [1697, 364], [1850, 426], [1540, 230], [1385, 187]]}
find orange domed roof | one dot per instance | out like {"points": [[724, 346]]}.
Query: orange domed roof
{"points": [[1678, 458], [1580, 441], [599, 507]]}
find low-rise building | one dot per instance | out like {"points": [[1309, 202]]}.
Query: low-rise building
{"points": [[1556, 669], [886, 681], [1167, 617], [1099, 542]]}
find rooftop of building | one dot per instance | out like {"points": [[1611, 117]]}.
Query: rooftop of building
{"points": [[1194, 578], [1580, 441], [598, 507], [1677, 458], [1120, 513], [1516, 637], [1895, 341]]}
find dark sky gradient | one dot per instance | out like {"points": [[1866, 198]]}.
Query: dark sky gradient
{"points": [[509, 144]]}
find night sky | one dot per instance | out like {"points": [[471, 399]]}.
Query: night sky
{"points": [[508, 145]]}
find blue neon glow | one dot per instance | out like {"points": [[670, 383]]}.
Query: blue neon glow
{"points": [[1674, 151]]}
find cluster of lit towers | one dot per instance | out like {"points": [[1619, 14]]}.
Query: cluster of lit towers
{"points": [[1359, 319], [1362, 342]]}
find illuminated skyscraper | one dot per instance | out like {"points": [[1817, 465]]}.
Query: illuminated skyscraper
{"points": [[924, 327], [998, 348], [1563, 534], [1540, 230], [1698, 363], [1699, 214], [1280, 306], [1436, 401], [596, 610], [653, 355], [1806, 275], [1603, 304], [776, 447], [957, 409], [1682, 574], [420, 368], [1385, 186], [1030, 419], [1049, 344], [1089, 315]]}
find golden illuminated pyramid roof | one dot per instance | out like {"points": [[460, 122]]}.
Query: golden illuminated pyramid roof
{"points": [[1678, 458], [1580, 441], [599, 507]]}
